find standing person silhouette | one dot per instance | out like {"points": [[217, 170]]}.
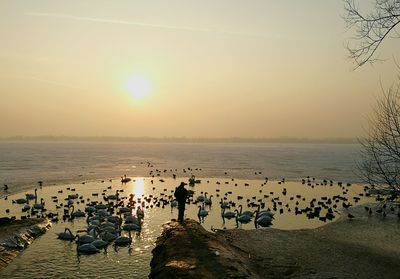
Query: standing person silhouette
{"points": [[181, 194]]}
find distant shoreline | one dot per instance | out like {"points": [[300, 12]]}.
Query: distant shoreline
{"points": [[181, 140]]}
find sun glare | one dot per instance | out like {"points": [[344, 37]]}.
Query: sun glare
{"points": [[138, 187], [138, 86]]}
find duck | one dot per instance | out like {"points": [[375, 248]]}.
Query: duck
{"points": [[125, 179], [174, 203], [73, 196], [20, 201]]}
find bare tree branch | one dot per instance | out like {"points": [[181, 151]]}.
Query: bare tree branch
{"points": [[380, 163], [371, 29]]}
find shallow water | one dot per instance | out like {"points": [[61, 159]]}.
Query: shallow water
{"points": [[24, 163], [49, 257]]}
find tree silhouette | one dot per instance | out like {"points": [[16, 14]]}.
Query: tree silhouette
{"points": [[380, 155], [371, 28], [380, 163]]}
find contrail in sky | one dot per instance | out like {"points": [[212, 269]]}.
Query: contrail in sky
{"points": [[140, 24]]}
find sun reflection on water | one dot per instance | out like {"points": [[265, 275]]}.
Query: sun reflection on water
{"points": [[138, 187]]}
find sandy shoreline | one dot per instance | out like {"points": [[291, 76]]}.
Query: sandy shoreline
{"points": [[365, 247]]}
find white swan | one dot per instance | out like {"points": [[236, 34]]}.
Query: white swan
{"points": [[113, 197], [31, 196], [202, 212], [93, 220], [90, 209], [39, 206], [66, 235], [228, 214], [77, 214], [132, 227], [100, 244], [263, 220], [264, 212], [114, 219], [101, 206], [250, 213], [123, 240], [131, 219], [201, 198], [103, 213], [208, 201], [87, 249], [224, 204], [109, 236], [242, 218], [133, 223], [124, 210], [107, 224], [85, 239]]}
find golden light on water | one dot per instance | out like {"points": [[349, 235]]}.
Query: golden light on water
{"points": [[138, 187], [138, 86]]}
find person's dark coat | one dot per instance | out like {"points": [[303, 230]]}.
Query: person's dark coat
{"points": [[181, 194]]}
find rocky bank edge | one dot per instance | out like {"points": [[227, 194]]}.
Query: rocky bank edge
{"points": [[16, 235], [365, 247]]}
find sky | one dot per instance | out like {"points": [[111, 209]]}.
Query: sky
{"points": [[184, 68]]}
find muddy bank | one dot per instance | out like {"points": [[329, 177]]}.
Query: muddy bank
{"points": [[188, 251], [16, 235], [365, 247]]}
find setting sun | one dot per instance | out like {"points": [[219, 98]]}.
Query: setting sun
{"points": [[138, 86]]}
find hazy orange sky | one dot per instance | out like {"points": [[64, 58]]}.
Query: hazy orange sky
{"points": [[207, 68]]}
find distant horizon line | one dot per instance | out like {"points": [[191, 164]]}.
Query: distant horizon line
{"points": [[340, 140]]}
